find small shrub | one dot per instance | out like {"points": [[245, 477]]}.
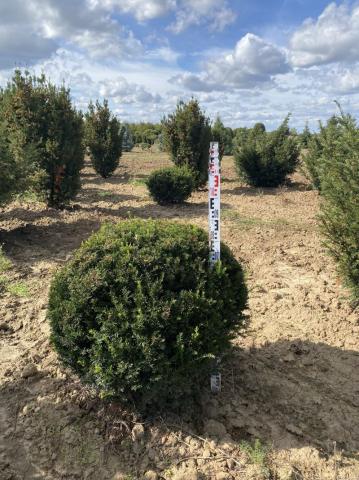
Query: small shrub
{"points": [[171, 185], [339, 182], [187, 135], [103, 138], [140, 313], [267, 158], [45, 133]]}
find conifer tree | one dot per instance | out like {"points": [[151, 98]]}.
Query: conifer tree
{"points": [[187, 135], [45, 136], [103, 138]]}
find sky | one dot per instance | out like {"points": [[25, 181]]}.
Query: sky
{"points": [[247, 61]]}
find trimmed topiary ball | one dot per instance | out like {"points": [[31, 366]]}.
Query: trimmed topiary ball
{"points": [[140, 314], [171, 185]]}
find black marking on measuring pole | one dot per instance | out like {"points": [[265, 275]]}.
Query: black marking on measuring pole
{"points": [[214, 220]]}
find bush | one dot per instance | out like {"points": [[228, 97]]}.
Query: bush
{"points": [[140, 313], [339, 181], [187, 135], [171, 185], [267, 158], [103, 138], [44, 132], [224, 136]]}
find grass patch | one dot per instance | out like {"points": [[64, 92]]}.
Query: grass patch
{"points": [[138, 182], [19, 289], [104, 194], [257, 454], [5, 263], [251, 222]]}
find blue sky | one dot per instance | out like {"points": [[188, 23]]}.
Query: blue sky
{"points": [[246, 60]]}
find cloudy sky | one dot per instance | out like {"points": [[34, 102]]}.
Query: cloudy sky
{"points": [[247, 60]]}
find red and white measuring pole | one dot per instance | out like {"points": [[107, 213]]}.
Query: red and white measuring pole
{"points": [[214, 201], [214, 218]]}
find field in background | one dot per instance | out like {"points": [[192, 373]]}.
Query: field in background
{"points": [[293, 381]]}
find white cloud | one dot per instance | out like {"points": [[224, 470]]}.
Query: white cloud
{"points": [[121, 91], [215, 13], [32, 30], [253, 62], [142, 10], [334, 37]]}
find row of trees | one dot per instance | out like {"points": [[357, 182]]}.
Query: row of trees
{"points": [[43, 140]]}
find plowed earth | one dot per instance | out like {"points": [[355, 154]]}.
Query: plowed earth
{"points": [[292, 382]]}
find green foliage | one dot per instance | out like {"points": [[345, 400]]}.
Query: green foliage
{"points": [[44, 134], [266, 159], [305, 137], [339, 181], [257, 453], [5, 263], [312, 159], [103, 137], [145, 134], [224, 136], [258, 129], [187, 135], [127, 138], [140, 313], [171, 185]]}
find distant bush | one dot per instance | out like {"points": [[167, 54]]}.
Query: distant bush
{"points": [[103, 138], [171, 185], [187, 135], [45, 135], [140, 313], [339, 183], [266, 159], [224, 136], [127, 138]]}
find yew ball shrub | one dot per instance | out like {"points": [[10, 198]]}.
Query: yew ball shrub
{"points": [[140, 313], [171, 185]]}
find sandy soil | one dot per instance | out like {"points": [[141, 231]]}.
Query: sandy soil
{"points": [[293, 381]]}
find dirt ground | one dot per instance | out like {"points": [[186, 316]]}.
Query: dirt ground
{"points": [[293, 381]]}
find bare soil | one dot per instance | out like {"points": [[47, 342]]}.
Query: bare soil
{"points": [[292, 382]]}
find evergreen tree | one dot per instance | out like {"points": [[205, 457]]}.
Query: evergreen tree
{"points": [[339, 180], [187, 135], [103, 138], [127, 139], [45, 135]]}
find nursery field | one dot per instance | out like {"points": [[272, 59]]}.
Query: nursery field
{"points": [[292, 382]]}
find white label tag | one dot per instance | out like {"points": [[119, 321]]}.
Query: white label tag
{"points": [[216, 383]]}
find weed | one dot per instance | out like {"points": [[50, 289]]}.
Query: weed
{"points": [[138, 182], [257, 453], [19, 289]]}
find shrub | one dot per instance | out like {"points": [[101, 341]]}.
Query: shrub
{"points": [[103, 138], [140, 313], [267, 158], [171, 185], [187, 135], [339, 182], [44, 132]]}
